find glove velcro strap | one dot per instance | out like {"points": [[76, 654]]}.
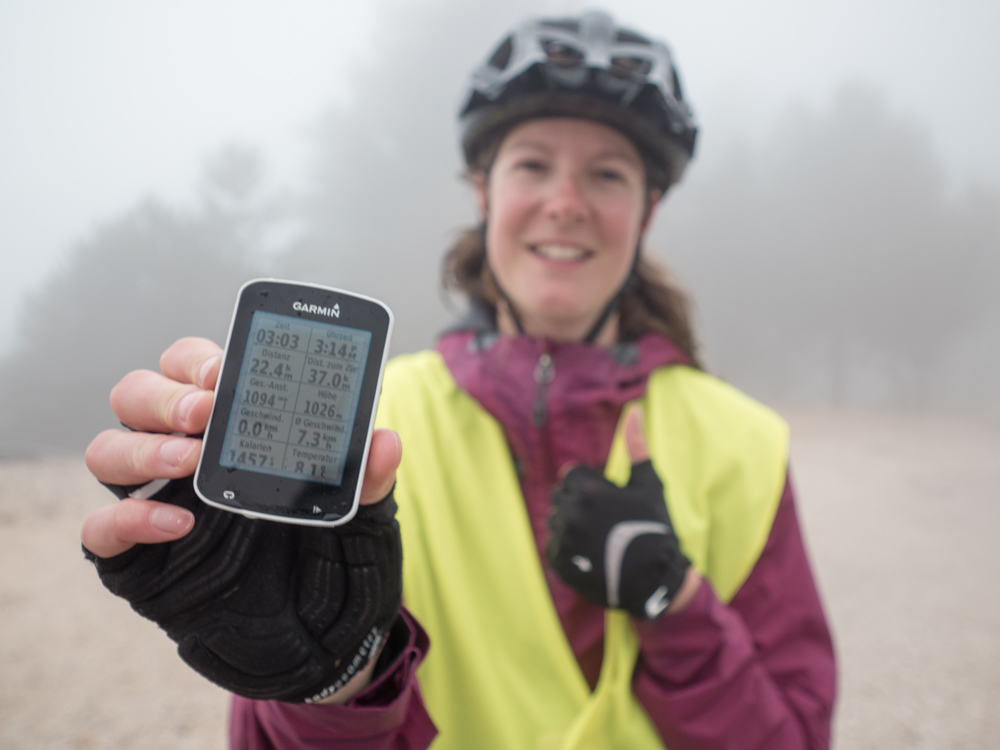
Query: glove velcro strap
{"points": [[367, 651]]}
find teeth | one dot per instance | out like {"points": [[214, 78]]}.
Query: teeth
{"points": [[560, 252]]}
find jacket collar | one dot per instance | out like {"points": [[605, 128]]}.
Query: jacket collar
{"points": [[514, 381]]}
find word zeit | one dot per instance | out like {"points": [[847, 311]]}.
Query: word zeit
{"points": [[317, 310]]}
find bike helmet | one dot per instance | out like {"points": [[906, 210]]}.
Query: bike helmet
{"points": [[584, 67]]}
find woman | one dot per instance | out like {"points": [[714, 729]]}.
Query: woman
{"points": [[672, 606]]}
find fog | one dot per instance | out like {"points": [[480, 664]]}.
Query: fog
{"points": [[833, 258]]}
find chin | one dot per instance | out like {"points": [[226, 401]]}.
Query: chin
{"points": [[561, 327]]}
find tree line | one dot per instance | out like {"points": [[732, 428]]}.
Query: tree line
{"points": [[832, 262]]}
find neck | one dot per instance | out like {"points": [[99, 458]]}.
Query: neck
{"points": [[506, 326]]}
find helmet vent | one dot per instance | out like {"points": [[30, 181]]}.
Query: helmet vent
{"points": [[678, 94], [630, 37], [626, 67], [501, 57], [561, 54]]}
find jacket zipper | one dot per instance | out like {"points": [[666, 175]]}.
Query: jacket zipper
{"points": [[545, 370]]}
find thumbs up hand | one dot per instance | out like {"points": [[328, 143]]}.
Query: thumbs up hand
{"points": [[635, 436], [615, 546]]}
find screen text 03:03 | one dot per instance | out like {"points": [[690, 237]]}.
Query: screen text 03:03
{"points": [[268, 337]]}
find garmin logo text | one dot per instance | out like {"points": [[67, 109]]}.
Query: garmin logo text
{"points": [[317, 310]]}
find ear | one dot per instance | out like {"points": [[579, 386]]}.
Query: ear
{"points": [[651, 208], [482, 195]]}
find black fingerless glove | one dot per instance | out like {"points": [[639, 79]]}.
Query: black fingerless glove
{"points": [[615, 546], [268, 610]]}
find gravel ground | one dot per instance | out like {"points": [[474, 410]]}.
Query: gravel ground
{"points": [[901, 515]]}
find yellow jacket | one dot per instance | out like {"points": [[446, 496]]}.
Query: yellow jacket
{"points": [[500, 673]]}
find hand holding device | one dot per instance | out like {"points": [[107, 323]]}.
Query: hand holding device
{"points": [[268, 610], [343, 590]]}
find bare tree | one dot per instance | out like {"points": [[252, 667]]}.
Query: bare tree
{"points": [[138, 283], [832, 263], [387, 197]]}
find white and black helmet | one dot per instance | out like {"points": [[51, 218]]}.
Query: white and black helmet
{"points": [[584, 67]]}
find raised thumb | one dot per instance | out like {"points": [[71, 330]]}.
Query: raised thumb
{"points": [[635, 436]]}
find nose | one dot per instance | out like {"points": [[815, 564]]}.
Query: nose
{"points": [[567, 201]]}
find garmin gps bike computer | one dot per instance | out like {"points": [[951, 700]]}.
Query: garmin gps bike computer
{"points": [[295, 403]]}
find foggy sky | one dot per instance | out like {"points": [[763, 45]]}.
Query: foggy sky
{"points": [[836, 254], [109, 101]]}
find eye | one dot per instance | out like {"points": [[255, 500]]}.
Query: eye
{"points": [[610, 174], [533, 165]]}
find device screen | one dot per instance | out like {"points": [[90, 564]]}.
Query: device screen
{"points": [[296, 398], [295, 403]]}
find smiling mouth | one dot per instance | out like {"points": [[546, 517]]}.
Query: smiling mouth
{"points": [[560, 252]]}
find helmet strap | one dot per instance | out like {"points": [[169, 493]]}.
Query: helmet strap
{"points": [[631, 280], [504, 297]]}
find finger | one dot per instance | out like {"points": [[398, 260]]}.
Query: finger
{"points": [[119, 457], [644, 475], [635, 436], [192, 360], [565, 469], [111, 530], [383, 459], [150, 402]]}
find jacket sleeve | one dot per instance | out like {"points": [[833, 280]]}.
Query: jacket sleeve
{"points": [[758, 673], [388, 715]]}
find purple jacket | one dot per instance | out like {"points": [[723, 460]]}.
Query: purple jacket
{"points": [[756, 673]]}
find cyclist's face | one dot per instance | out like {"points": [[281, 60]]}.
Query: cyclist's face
{"points": [[566, 204]]}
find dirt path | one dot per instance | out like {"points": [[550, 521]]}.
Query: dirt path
{"points": [[81, 669], [901, 515]]}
